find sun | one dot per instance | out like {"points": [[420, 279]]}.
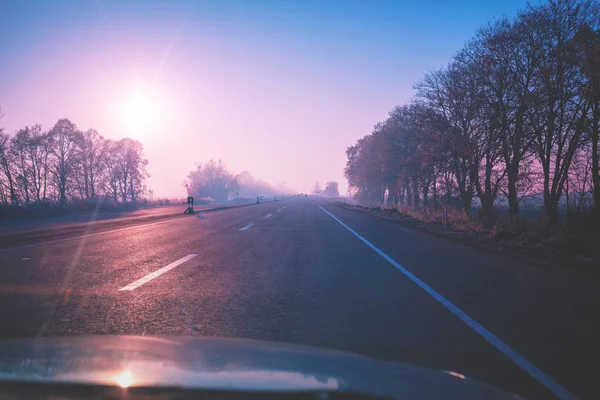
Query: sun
{"points": [[139, 110], [124, 379]]}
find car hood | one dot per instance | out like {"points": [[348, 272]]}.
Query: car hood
{"points": [[224, 364]]}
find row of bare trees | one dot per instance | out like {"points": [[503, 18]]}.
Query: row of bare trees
{"points": [[517, 110], [65, 164]]}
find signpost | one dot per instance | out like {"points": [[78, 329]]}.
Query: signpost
{"points": [[190, 209]]}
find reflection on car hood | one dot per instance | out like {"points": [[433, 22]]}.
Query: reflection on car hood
{"points": [[224, 364]]}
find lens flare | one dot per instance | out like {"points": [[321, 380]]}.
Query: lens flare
{"points": [[125, 379]]}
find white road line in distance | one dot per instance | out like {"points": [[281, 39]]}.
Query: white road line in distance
{"points": [[157, 273], [268, 215], [246, 227], [518, 359], [279, 210], [86, 236]]}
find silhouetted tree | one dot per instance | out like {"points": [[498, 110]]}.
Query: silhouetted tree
{"points": [[213, 180], [560, 109], [65, 164], [6, 166], [521, 97], [64, 136], [331, 189], [92, 150]]}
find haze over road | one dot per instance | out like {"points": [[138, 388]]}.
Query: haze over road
{"points": [[306, 271]]}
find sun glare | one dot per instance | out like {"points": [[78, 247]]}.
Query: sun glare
{"points": [[139, 110], [124, 379]]}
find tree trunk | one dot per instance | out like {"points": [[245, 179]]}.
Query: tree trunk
{"points": [[551, 209], [11, 187], [132, 192], [390, 198], [595, 166], [425, 196], [124, 189], [416, 194], [465, 191], [86, 183], [62, 186], [435, 194], [487, 209], [45, 182], [92, 185], [512, 175]]}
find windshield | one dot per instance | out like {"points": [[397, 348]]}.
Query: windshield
{"points": [[415, 182]]}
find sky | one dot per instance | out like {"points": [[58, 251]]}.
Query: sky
{"points": [[276, 88]]}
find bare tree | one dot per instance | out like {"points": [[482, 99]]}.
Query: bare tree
{"points": [[64, 136], [134, 158], [213, 180], [453, 92], [364, 170], [112, 175], [559, 111], [19, 156], [504, 61], [587, 42], [39, 148], [92, 148], [6, 166], [29, 152]]}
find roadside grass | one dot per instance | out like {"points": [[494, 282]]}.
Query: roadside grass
{"points": [[74, 207]]}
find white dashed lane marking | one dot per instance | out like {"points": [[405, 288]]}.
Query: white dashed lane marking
{"points": [[157, 273], [246, 227]]}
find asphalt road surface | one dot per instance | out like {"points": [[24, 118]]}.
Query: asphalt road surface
{"points": [[28, 225], [307, 271]]}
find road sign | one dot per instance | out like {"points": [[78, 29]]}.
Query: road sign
{"points": [[190, 200]]}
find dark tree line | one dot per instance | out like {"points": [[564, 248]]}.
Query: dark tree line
{"points": [[516, 110], [65, 164]]}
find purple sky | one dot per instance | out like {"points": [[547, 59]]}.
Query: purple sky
{"points": [[277, 88]]}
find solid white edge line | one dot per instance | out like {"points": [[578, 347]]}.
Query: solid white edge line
{"points": [[157, 273], [90, 235], [246, 227], [518, 359]]}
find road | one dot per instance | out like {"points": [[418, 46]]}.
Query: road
{"points": [[307, 271], [75, 221]]}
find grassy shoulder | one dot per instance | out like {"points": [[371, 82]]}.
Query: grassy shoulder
{"points": [[573, 252], [9, 212], [12, 235]]}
